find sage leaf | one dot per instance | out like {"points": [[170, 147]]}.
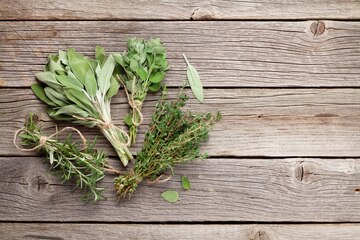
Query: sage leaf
{"points": [[72, 110], [90, 83], [63, 57], [49, 93], [56, 94], [79, 64], [100, 55], [69, 82], [170, 196], [49, 79], [185, 183], [114, 88], [38, 90], [105, 74], [194, 81], [80, 99]]}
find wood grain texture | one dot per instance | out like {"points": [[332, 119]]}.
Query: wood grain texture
{"points": [[298, 189], [178, 10], [256, 122], [16, 231], [226, 53]]}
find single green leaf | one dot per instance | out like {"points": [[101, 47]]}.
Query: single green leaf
{"points": [[63, 57], [72, 110], [90, 83], [154, 87], [52, 114], [105, 74], [185, 182], [69, 82], [79, 64], [49, 93], [194, 81], [100, 55], [156, 77], [54, 64], [56, 94], [170, 196], [142, 73], [49, 79], [80, 99], [38, 90], [128, 119], [114, 88]]}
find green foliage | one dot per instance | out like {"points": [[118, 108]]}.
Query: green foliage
{"points": [[68, 161], [79, 89], [174, 136], [185, 183], [170, 196], [194, 81], [142, 68]]}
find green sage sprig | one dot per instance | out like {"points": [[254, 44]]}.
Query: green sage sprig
{"points": [[174, 137], [79, 89], [85, 166], [142, 68]]}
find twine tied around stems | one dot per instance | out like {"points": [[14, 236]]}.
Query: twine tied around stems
{"points": [[134, 104], [43, 139]]}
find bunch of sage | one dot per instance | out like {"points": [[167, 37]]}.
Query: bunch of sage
{"points": [[174, 136], [142, 68], [79, 89]]}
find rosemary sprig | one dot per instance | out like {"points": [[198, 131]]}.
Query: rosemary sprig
{"points": [[174, 137], [79, 89], [85, 166], [142, 68]]}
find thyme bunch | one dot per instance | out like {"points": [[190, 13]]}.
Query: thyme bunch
{"points": [[84, 166], [174, 137]]}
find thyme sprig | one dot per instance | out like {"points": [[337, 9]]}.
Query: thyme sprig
{"points": [[84, 166], [174, 137]]}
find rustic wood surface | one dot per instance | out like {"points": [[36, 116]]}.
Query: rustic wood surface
{"points": [[226, 53], [259, 122], [284, 161], [186, 231], [223, 189], [179, 9]]}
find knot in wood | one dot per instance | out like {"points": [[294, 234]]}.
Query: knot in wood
{"points": [[261, 235], [305, 173], [317, 28]]}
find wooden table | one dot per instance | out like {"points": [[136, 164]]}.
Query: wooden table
{"points": [[284, 161]]}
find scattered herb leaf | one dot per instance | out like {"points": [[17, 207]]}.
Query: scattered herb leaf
{"points": [[170, 196], [194, 81], [185, 183]]}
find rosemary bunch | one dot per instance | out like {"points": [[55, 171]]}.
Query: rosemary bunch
{"points": [[85, 166], [142, 68], [79, 89], [174, 137]]}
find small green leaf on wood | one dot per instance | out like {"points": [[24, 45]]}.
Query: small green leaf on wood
{"points": [[194, 81], [170, 196], [185, 182]]}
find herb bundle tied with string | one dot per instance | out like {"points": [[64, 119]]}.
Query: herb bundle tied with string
{"points": [[79, 89]]}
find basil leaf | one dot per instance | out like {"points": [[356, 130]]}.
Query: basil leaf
{"points": [[156, 77], [194, 81], [38, 90], [185, 183], [100, 55], [79, 64], [170, 196], [105, 74], [90, 83]]}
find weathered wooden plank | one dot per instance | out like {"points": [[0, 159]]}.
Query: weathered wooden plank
{"points": [[300, 190], [15, 231], [256, 122], [179, 10], [226, 53]]}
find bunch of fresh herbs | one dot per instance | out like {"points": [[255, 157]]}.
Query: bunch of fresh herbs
{"points": [[85, 166], [79, 89], [142, 68], [174, 137]]}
